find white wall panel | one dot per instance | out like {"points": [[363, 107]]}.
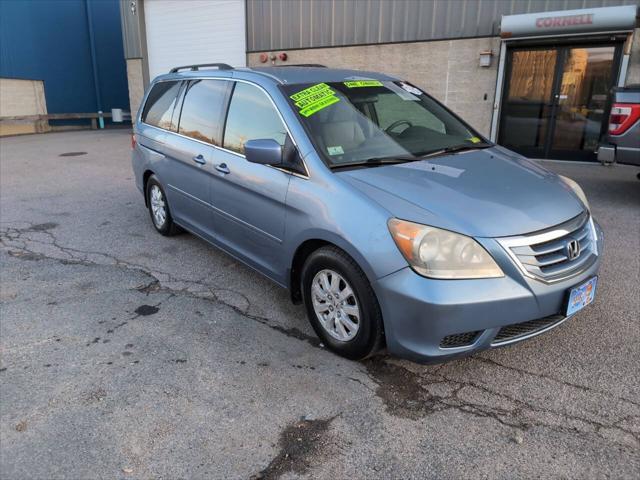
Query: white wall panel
{"points": [[184, 32]]}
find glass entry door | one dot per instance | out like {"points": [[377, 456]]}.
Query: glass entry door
{"points": [[556, 100]]}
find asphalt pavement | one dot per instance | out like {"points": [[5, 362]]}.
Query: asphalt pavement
{"points": [[125, 354]]}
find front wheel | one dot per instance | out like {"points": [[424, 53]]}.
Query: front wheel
{"points": [[341, 305]]}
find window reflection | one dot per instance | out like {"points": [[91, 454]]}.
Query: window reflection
{"points": [[159, 107], [202, 110], [586, 78], [526, 111], [251, 116]]}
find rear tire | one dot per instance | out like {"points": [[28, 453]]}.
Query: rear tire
{"points": [[341, 305], [159, 208]]}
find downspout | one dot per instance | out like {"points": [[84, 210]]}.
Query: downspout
{"points": [[94, 63]]}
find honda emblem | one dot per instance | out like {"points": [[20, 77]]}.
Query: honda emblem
{"points": [[572, 249]]}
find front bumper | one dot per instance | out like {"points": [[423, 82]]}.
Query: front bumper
{"points": [[422, 314]]}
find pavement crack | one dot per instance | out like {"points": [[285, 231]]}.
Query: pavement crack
{"points": [[21, 243], [406, 394], [551, 378]]}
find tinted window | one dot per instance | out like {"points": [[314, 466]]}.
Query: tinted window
{"points": [[361, 121], [160, 102], [391, 108], [202, 110], [251, 116]]}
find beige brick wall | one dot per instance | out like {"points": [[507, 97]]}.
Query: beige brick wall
{"points": [[21, 97], [449, 70], [135, 78]]}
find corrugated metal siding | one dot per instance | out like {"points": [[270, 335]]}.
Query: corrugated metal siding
{"points": [[132, 18], [289, 24]]}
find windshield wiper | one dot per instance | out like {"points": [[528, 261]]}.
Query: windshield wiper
{"points": [[374, 161], [456, 148]]}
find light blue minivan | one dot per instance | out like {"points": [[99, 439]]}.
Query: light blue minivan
{"points": [[391, 219]]}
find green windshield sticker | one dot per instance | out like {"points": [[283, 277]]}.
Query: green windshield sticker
{"points": [[475, 140], [306, 101], [319, 105], [320, 87], [313, 99], [363, 83]]}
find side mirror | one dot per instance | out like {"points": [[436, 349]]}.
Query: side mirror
{"points": [[265, 151]]}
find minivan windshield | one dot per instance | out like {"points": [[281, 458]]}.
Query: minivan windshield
{"points": [[374, 122]]}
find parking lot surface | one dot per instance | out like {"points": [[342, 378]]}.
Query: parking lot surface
{"points": [[125, 354]]}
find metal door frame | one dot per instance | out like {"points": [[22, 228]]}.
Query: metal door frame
{"points": [[562, 46]]}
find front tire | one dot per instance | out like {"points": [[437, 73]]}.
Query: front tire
{"points": [[341, 305], [159, 208]]}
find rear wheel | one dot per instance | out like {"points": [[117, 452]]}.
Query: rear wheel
{"points": [[341, 305], [159, 208]]}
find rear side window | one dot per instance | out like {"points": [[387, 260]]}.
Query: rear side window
{"points": [[160, 102], [202, 110], [251, 116]]}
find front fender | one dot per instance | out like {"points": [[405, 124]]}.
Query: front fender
{"points": [[336, 213]]}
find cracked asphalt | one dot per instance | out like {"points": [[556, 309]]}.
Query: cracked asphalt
{"points": [[125, 354]]}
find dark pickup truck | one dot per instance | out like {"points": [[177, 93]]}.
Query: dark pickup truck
{"points": [[622, 142]]}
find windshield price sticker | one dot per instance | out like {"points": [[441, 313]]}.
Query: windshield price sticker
{"points": [[410, 88], [402, 93], [475, 140], [310, 91], [319, 105], [363, 83], [306, 101], [313, 99]]}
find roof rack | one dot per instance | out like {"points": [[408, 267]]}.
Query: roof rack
{"points": [[219, 66], [317, 65]]}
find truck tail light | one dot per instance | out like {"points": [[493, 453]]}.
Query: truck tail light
{"points": [[623, 116], [133, 140]]}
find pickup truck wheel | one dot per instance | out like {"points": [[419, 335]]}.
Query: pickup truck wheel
{"points": [[341, 305], [159, 208]]}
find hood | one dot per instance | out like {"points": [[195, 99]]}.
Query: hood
{"points": [[481, 193]]}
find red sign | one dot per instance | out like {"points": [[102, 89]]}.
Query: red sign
{"points": [[565, 21]]}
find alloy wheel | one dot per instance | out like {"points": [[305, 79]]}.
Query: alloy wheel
{"points": [[158, 206], [335, 305]]}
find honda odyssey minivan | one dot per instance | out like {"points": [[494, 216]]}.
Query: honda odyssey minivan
{"points": [[394, 222]]}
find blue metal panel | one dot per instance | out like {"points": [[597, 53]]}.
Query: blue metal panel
{"points": [[50, 41]]}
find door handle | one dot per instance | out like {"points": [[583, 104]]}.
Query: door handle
{"points": [[199, 159], [222, 167]]}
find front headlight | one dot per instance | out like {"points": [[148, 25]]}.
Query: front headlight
{"points": [[577, 189], [438, 253]]}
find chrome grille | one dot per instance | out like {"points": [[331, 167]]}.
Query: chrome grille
{"points": [[546, 256], [510, 333]]}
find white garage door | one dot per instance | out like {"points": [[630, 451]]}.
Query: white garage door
{"points": [[187, 32]]}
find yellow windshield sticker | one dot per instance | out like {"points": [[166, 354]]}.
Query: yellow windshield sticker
{"points": [[475, 140], [319, 105], [313, 99], [310, 91], [363, 83]]}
